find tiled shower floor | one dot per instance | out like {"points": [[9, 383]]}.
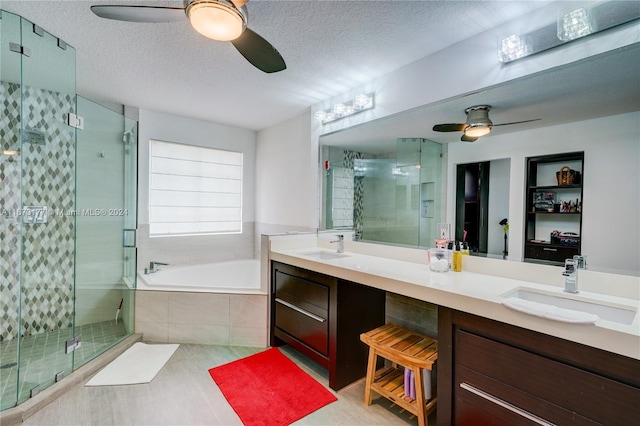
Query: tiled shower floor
{"points": [[42, 356]]}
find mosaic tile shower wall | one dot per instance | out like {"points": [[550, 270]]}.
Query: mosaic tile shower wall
{"points": [[351, 162], [42, 175]]}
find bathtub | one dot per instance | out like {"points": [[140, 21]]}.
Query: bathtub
{"points": [[236, 277]]}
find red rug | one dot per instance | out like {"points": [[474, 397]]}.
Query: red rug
{"points": [[269, 389]]}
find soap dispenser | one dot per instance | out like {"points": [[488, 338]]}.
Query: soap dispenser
{"points": [[456, 264]]}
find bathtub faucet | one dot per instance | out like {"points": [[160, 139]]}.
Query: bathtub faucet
{"points": [[153, 267]]}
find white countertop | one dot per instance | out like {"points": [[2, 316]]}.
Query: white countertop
{"points": [[473, 292]]}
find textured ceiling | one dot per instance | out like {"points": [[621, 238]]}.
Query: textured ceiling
{"points": [[329, 47]]}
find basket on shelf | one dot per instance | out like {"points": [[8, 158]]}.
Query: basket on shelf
{"points": [[566, 176]]}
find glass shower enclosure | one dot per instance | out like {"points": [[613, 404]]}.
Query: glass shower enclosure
{"points": [[391, 197], [67, 229]]}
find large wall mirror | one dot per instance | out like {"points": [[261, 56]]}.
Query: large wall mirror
{"points": [[394, 179]]}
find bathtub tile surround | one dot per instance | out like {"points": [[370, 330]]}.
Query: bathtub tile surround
{"points": [[46, 178], [202, 318]]}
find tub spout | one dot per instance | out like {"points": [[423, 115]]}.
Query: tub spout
{"points": [[153, 267]]}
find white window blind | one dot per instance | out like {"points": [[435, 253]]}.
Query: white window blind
{"points": [[194, 190]]}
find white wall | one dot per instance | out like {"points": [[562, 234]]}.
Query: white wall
{"points": [[195, 249], [286, 186], [611, 190]]}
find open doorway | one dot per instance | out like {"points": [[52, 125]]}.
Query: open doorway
{"points": [[472, 205]]}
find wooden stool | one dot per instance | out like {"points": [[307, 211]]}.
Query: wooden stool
{"points": [[407, 349]]}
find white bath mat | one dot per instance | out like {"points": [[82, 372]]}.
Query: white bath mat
{"points": [[138, 364]]}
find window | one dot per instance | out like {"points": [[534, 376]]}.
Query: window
{"points": [[194, 190]]}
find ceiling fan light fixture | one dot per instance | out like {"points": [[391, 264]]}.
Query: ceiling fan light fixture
{"points": [[475, 130], [216, 19]]}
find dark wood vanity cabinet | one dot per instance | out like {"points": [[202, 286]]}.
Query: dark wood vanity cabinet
{"points": [[322, 317], [499, 374]]}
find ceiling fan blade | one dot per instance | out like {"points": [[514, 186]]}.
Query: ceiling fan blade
{"points": [[239, 3], [140, 13], [516, 122], [259, 52], [450, 127], [466, 138]]}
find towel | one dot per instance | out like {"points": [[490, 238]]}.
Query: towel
{"points": [[407, 382], [551, 312]]}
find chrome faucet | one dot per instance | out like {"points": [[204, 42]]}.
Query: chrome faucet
{"points": [[340, 242], [570, 273], [153, 267]]}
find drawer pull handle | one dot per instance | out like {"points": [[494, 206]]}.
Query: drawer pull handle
{"points": [[549, 249], [505, 404], [298, 309]]}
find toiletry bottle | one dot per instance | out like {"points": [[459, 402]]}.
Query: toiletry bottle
{"points": [[465, 248], [456, 264]]}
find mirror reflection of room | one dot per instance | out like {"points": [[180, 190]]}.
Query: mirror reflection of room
{"points": [[389, 194]]}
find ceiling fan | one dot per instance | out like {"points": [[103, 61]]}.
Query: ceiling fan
{"points": [[221, 20], [478, 124]]}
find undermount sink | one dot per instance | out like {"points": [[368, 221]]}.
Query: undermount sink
{"points": [[324, 255], [603, 310]]}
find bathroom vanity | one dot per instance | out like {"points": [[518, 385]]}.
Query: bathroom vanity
{"points": [[495, 373], [322, 317], [494, 363]]}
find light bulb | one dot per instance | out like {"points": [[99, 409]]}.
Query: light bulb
{"points": [[215, 20]]}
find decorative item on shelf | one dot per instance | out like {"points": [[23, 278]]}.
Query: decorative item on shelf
{"points": [[567, 176], [565, 238], [571, 206], [543, 201]]}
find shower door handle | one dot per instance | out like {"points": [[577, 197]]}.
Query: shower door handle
{"points": [[128, 238]]}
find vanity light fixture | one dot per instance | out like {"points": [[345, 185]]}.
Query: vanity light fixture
{"points": [[568, 25], [358, 104], [218, 20], [513, 47], [575, 24]]}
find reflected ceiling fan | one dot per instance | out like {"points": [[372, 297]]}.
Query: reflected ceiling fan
{"points": [[478, 124], [221, 20]]}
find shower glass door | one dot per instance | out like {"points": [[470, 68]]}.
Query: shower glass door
{"points": [[105, 229], [9, 204], [47, 205]]}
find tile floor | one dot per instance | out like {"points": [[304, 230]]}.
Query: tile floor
{"points": [[183, 393], [43, 355]]}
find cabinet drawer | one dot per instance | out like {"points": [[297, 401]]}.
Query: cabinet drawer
{"points": [[308, 295], [537, 384], [554, 253], [312, 329]]}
